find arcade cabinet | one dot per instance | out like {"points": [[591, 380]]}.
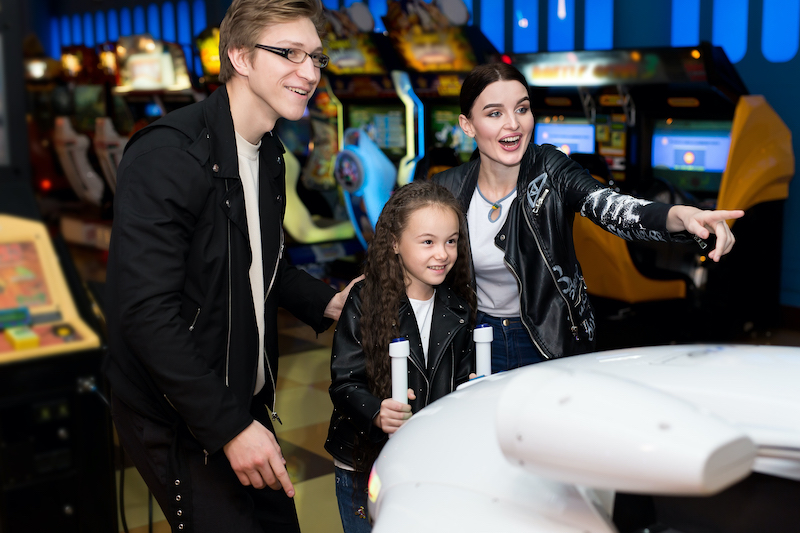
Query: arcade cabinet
{"points": [[437, 49], [370, 117], [56, 470], [675, 125]]}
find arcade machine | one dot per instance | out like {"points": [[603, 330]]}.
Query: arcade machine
{"points": [[692, 135], [56, 470], [374, 125], [438, 50]]}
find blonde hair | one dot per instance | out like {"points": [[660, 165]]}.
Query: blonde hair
{"points": [[246, 19]]}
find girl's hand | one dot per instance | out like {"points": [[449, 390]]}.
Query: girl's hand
{"points": [[393, 414], [702, 223]]}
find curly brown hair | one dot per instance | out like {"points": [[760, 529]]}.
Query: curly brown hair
{"points": [[384, 285]]}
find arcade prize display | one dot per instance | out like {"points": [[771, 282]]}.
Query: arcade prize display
{"points": [[55, 459], [438, 49], [675, 125]]}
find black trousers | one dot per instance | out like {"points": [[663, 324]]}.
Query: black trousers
{"points": [[199, 494]]}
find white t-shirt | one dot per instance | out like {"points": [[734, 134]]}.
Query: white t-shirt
{"points": [[423, 311], [248, 173], [496, 286]]}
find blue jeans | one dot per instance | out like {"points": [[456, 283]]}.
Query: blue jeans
{"points": [[512, 346], [351, 494]]}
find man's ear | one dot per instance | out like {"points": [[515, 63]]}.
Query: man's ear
{"points": [[466, 125], [240, 59]]}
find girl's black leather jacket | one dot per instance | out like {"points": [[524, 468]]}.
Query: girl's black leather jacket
{"points": [[450, 361], [538, 245]]}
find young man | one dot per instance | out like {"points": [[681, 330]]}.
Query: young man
{"points": [[196, 273]]}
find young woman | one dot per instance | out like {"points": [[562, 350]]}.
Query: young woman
{"points": [[417, 286], [520, 199]]}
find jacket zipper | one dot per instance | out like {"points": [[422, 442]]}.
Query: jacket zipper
{"points": [[196, 315], [427, 383], [530, 333], [230, 304], [264, 355], [573, 328], [205, 452]]}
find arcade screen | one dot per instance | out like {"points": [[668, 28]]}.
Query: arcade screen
{"points": [[22, 282], [691, 154], [385, 124], [447, 133], [566, 137]]}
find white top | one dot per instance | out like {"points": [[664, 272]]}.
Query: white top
{"points": [[496, 286], [248, 173], [423, 311]]}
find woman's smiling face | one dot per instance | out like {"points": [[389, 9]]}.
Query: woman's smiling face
{"points": [[501, 122]]}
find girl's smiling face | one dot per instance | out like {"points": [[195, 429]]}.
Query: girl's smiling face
{"points": [[501, 122]]}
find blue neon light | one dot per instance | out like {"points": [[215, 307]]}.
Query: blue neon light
{"points": [[685, 23], [100, 27], [492, 16], [77, 30], [113, 25], [598, 33], [88, 30], [560, 25], [125, 26], [66, 39], [154, 21], [779, 30], [55, 37], [168, 22], [184, 29], [139, 25], [333, 5], [526, 26], [729, 27], [199, 16], [378, 9]]}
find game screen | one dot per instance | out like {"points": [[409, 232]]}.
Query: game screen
{"points": [[566, 137], [5, 156], [385, 124], [691, 154], [22, 282], [151, 64], [447, 133]]}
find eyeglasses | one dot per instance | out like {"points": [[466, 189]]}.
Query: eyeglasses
{"points": [[295, 55]]}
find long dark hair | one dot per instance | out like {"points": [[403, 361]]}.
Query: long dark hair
{"points": [[481, 77], [384, 286]]}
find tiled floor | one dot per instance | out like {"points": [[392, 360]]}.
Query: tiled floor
{"points": [[305, 409]]}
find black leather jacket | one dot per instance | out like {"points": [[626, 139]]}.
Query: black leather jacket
{"points": [[538, 245], [450, 361], [182, 327]]}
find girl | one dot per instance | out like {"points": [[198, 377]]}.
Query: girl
{"points": [[417, 286], [520, 200]]}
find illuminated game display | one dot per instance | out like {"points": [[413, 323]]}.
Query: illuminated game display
{"points": [[385, 124], [691, 155], [448, 134], [569, 138], [37, 314]]}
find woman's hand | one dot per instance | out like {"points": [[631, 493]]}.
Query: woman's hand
{"points": [[703, 223], [393, 414]]}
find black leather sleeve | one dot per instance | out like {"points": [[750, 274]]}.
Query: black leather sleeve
{"points": [[349, 388]]}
